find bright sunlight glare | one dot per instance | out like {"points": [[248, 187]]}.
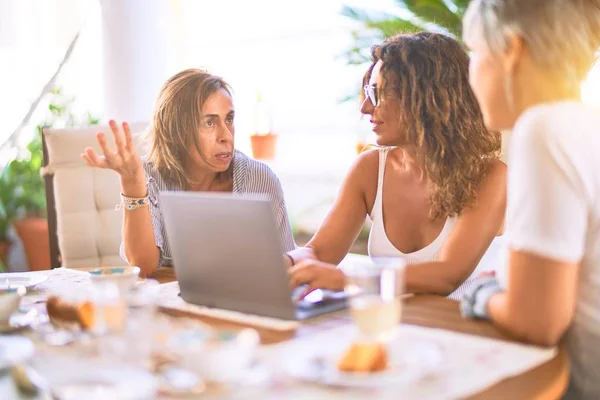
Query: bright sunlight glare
{"points": [[590, 88]]}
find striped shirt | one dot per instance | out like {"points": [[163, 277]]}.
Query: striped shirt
{"points": [[249, 176]]}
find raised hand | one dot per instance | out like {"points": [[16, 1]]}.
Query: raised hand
{"points": [[125, 160]]}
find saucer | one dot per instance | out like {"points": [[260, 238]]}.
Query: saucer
{"points": [[14, 350], [28, 280], [76, 379], [18, 321], [407, 364]]}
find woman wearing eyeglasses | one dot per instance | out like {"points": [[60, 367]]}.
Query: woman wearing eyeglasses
{"points": [[434, 190], [192, 148]]}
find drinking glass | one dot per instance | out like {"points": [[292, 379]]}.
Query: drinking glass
{"points": [[374, 292]]}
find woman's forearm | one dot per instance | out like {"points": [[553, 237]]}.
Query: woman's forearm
{"points": [[435, 277], [308, 252], [138, 233], [523, 322]]}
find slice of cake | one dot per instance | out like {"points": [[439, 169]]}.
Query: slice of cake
{"points": [[68, 315], [364, 357]]}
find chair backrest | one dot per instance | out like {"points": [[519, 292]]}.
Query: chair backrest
{"points": [[84, 227]]}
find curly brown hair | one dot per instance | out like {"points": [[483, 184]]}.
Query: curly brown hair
{"points": [[428, 73]]}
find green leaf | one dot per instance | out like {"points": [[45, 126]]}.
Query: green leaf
{"points": [[461, 5], [391, 27], [426, 15], [435, 12], [355, 13]]}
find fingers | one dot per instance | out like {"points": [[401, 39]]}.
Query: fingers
{"points": [[92, 159], [108, 153], [301, 273], [300, 277], [87, 160], [128, 137], [309, 289], [119, 141], [298, 267]]}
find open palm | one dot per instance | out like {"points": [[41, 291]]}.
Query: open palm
{"points": [[125, 160]]}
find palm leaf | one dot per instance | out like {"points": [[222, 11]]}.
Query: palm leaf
{"points": [[392, 26], [461, 6], [388, 25], [416, 15], [355, 14], [434, 12], [412, 16]]}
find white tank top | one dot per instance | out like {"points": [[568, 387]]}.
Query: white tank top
{"points": [[380, 245]]}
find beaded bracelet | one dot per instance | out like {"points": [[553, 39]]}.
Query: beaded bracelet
{"points": [[132, 203], [474, 301]]}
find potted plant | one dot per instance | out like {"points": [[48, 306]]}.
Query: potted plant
{"points": [[29, 214], [262, 141], [23, 196], [8, 213]]}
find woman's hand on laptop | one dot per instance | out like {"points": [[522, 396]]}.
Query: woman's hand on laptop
{"points": [[317, 275], [298, 255]]}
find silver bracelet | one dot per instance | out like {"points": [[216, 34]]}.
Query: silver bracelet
{"points": [[132, 203]]}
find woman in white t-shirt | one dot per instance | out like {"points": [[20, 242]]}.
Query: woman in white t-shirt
{"points": [[528, 61]]}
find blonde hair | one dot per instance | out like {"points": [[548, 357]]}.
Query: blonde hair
{"points": [[176, 121], [562, 35]]}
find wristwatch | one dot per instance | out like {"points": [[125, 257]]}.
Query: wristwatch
{"points": [[475, 299]]}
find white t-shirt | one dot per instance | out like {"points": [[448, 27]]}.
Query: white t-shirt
{"points": [[554, 211]]}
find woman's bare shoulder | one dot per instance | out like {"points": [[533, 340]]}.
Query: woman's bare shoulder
{"points": [[492, 189], [497, 172], [365, 164]]}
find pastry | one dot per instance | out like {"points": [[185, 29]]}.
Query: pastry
{"points": [[364, 357], [65, 314]]}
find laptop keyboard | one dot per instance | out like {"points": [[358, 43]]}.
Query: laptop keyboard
{"points": [[316, 298]]}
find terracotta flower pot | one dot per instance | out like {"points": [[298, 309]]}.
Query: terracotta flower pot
{"points": [[4, 248], [263, 146], [34, 234]]}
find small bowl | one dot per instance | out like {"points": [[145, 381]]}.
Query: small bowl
{"points": [[123, 277], [222, 356], [10, 299]]}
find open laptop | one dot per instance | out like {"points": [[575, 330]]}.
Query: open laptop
{"points": [[227, 254]]}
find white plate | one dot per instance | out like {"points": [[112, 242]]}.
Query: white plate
{"points": [[27, 279], [19, 320], [77, 379], [407, 363], [14, 350]]}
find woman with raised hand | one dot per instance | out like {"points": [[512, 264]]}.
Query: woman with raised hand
{"points": [[434, 190], [192, 148], [528, 61]]}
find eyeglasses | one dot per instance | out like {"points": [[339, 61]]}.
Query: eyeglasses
{"points": [[371, 94]]}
